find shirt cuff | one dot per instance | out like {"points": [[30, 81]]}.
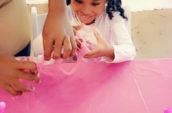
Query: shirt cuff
{"points": [[122, 53]]}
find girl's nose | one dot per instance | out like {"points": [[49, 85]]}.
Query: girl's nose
{"points": [[86, 11]]}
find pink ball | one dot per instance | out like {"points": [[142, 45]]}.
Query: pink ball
{"points": [[2, 107]]}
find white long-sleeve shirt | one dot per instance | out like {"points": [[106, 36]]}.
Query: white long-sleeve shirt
{"points": [[115, 32]]}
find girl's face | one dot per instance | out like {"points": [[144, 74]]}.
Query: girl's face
{"points": [[88, 10]]}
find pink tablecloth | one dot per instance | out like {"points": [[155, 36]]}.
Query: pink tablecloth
{"points": [[131, 87]]}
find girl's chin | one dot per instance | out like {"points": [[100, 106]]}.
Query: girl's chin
{"points": [[88, 22]]}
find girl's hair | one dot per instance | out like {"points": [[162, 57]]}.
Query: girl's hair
{"points": [[112, 6], [115, 5]]}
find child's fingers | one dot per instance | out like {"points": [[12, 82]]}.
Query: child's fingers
{"points": [[92, 54], [78, 27], [75, 28], [79, 43], [98, 36], [75, 31], [80, 39]]}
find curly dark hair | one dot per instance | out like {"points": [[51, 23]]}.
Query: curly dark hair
{"points": [[112, 6]]}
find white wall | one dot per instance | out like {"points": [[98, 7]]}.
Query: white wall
{"points": [[36, 1], [139, 5], [135, 5]]}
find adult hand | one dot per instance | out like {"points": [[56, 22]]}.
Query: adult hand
{"points": [[12, 71]]}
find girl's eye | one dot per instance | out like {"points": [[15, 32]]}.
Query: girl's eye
{"points": [[79, 1], [95, 4]]}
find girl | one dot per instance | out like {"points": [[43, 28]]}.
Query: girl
{"points": [[107, 20]]}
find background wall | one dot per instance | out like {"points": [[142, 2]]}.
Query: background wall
{"points": [[135, 5], [139, 5]]}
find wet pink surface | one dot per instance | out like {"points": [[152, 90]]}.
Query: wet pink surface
{"points": [[97, 87]]}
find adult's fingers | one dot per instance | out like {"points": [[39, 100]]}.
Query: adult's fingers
{"points": [[8, 87], [67, 48], [58, 48], [27, 76], [27, 66], [17, 86], [48, 43]]}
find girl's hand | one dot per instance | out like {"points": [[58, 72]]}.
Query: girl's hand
{"points": [[102, 48], [12, 71]]}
